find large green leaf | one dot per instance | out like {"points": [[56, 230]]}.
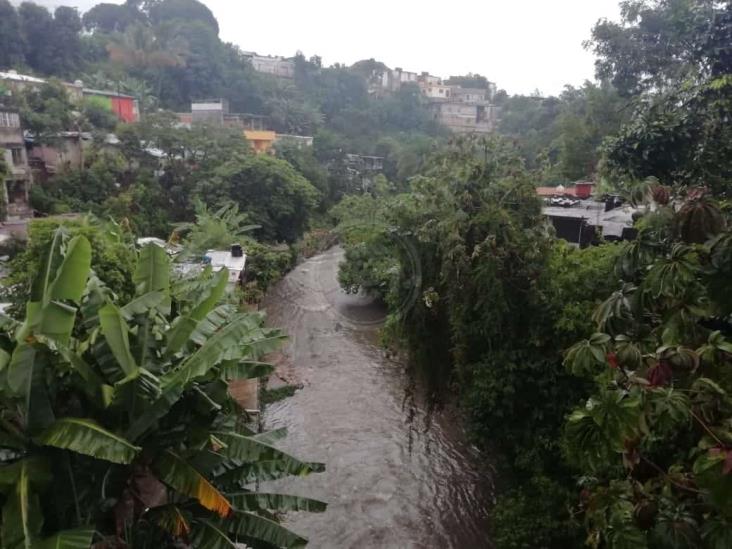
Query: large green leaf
{"points": [[184, 326], [249, 525], [26, 380], [144, 303], [116, 332], [211, 296], [71, 276], [22, 519], [153, 270], [87, 437], [251, 459], [255, 501], [182, 477], [79, 538], [47, 272], [62, 278], [207, 535], [223, 344]]}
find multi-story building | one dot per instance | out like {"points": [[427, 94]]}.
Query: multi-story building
{"points": [[274, 65], [17, 179]]}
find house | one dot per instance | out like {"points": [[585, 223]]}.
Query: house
{"points": [[17, 180], [66, 151], [125, 107], [584, 222], [260, 140], [274, 65], [234, 260], [462, 117]]}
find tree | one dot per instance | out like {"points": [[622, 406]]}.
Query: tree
{"points": [[11, 40], [214, 230], [182, 11], [133, 400], [659, 43], [36, 22], [66, 44], [267, 189], [47, 111], [653, 440], [111, 18]]}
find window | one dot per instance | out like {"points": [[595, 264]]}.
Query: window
{"points": [[17, 156], [9, 120]]}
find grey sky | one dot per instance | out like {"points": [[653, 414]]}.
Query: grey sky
{"points": [[522, 45]]}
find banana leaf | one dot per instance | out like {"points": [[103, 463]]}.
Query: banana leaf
{"points": [[207, 535], [249, 525], [153, 270], [87, 437], [22, 519], [116, 332], [255, 501], [79, 538]]}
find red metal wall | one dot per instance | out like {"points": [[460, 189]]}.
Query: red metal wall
{"points": [[124, 108]]}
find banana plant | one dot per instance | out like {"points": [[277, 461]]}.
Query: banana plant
{"points": [[116, 424]]}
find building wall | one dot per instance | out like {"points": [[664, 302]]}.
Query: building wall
{"points": [[276, 66], [260, 140], [17, 182]]}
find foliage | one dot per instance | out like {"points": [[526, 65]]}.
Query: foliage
{"points": [[269, 191], [113, 257], [116, 420], [659, 43], [652, 440], [214, 230]]}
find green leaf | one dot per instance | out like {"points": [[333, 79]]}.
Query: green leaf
{"points": [[255, 501], [144, 303], [116, 332], [153, 270], [22, 518], [207, 535], [227, 341], [249, 525], [212, 296], [79, 538], [184, 326], [182, 477], [87, 437], [71, 276]]}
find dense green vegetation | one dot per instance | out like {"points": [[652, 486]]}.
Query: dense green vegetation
{"points": [[597, 379], [621, 440], [117, 424]]}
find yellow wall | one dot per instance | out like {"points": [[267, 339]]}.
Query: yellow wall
{"points": [[261, 140]]}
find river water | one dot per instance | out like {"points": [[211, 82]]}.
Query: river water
{"points": [[399, 472]]}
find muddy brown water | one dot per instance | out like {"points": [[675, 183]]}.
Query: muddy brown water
{"points": [[399, 473]]}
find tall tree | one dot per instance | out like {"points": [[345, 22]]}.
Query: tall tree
{"points": [[11, 39]]}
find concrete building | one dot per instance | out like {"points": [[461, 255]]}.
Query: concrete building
{"points": [[464, 117], [274, 65], [17, 180]]}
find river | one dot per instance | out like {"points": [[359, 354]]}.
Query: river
{"points": [[399, 473]]}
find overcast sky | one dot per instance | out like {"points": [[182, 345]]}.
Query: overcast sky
{"points": [[522, 45]]}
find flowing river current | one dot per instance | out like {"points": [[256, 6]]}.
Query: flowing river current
{"points": [[399, 473]]}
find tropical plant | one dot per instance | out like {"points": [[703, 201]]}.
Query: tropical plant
{"points": [[654, 441], [214, 229], [116, 425]]}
